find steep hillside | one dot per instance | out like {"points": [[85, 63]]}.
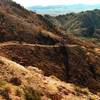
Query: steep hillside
{"points": [[18, 83], [16, 23], [38, 52], [61, 61]]}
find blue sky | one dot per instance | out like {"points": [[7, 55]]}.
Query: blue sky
{"points": [[28, 3]]}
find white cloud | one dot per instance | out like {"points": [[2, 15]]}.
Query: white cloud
{"points": [[27, 3]]}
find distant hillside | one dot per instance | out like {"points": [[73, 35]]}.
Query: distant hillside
{"points": [[63, 9], [77, 20], [84, 23]]}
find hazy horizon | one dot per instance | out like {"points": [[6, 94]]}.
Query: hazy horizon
{"points": [[56, 7], [27, 3], [62, 9]]}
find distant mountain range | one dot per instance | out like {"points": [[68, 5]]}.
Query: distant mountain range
{"points": [[63, 9]]}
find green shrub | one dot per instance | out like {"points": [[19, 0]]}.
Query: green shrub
{"points": [[31, 94], [1, 14], [84, 91], [3, 83], [19, 91]]}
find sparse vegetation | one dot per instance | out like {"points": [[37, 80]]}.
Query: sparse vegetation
{"points": [[84, 91], [3, 83], [31, 94], [20, 92], [30, 39]]}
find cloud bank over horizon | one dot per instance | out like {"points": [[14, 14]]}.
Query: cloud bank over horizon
{"points": [[29, 3]]}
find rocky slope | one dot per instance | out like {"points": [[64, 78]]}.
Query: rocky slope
{"points": [[39, 62], [19, 83]]}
